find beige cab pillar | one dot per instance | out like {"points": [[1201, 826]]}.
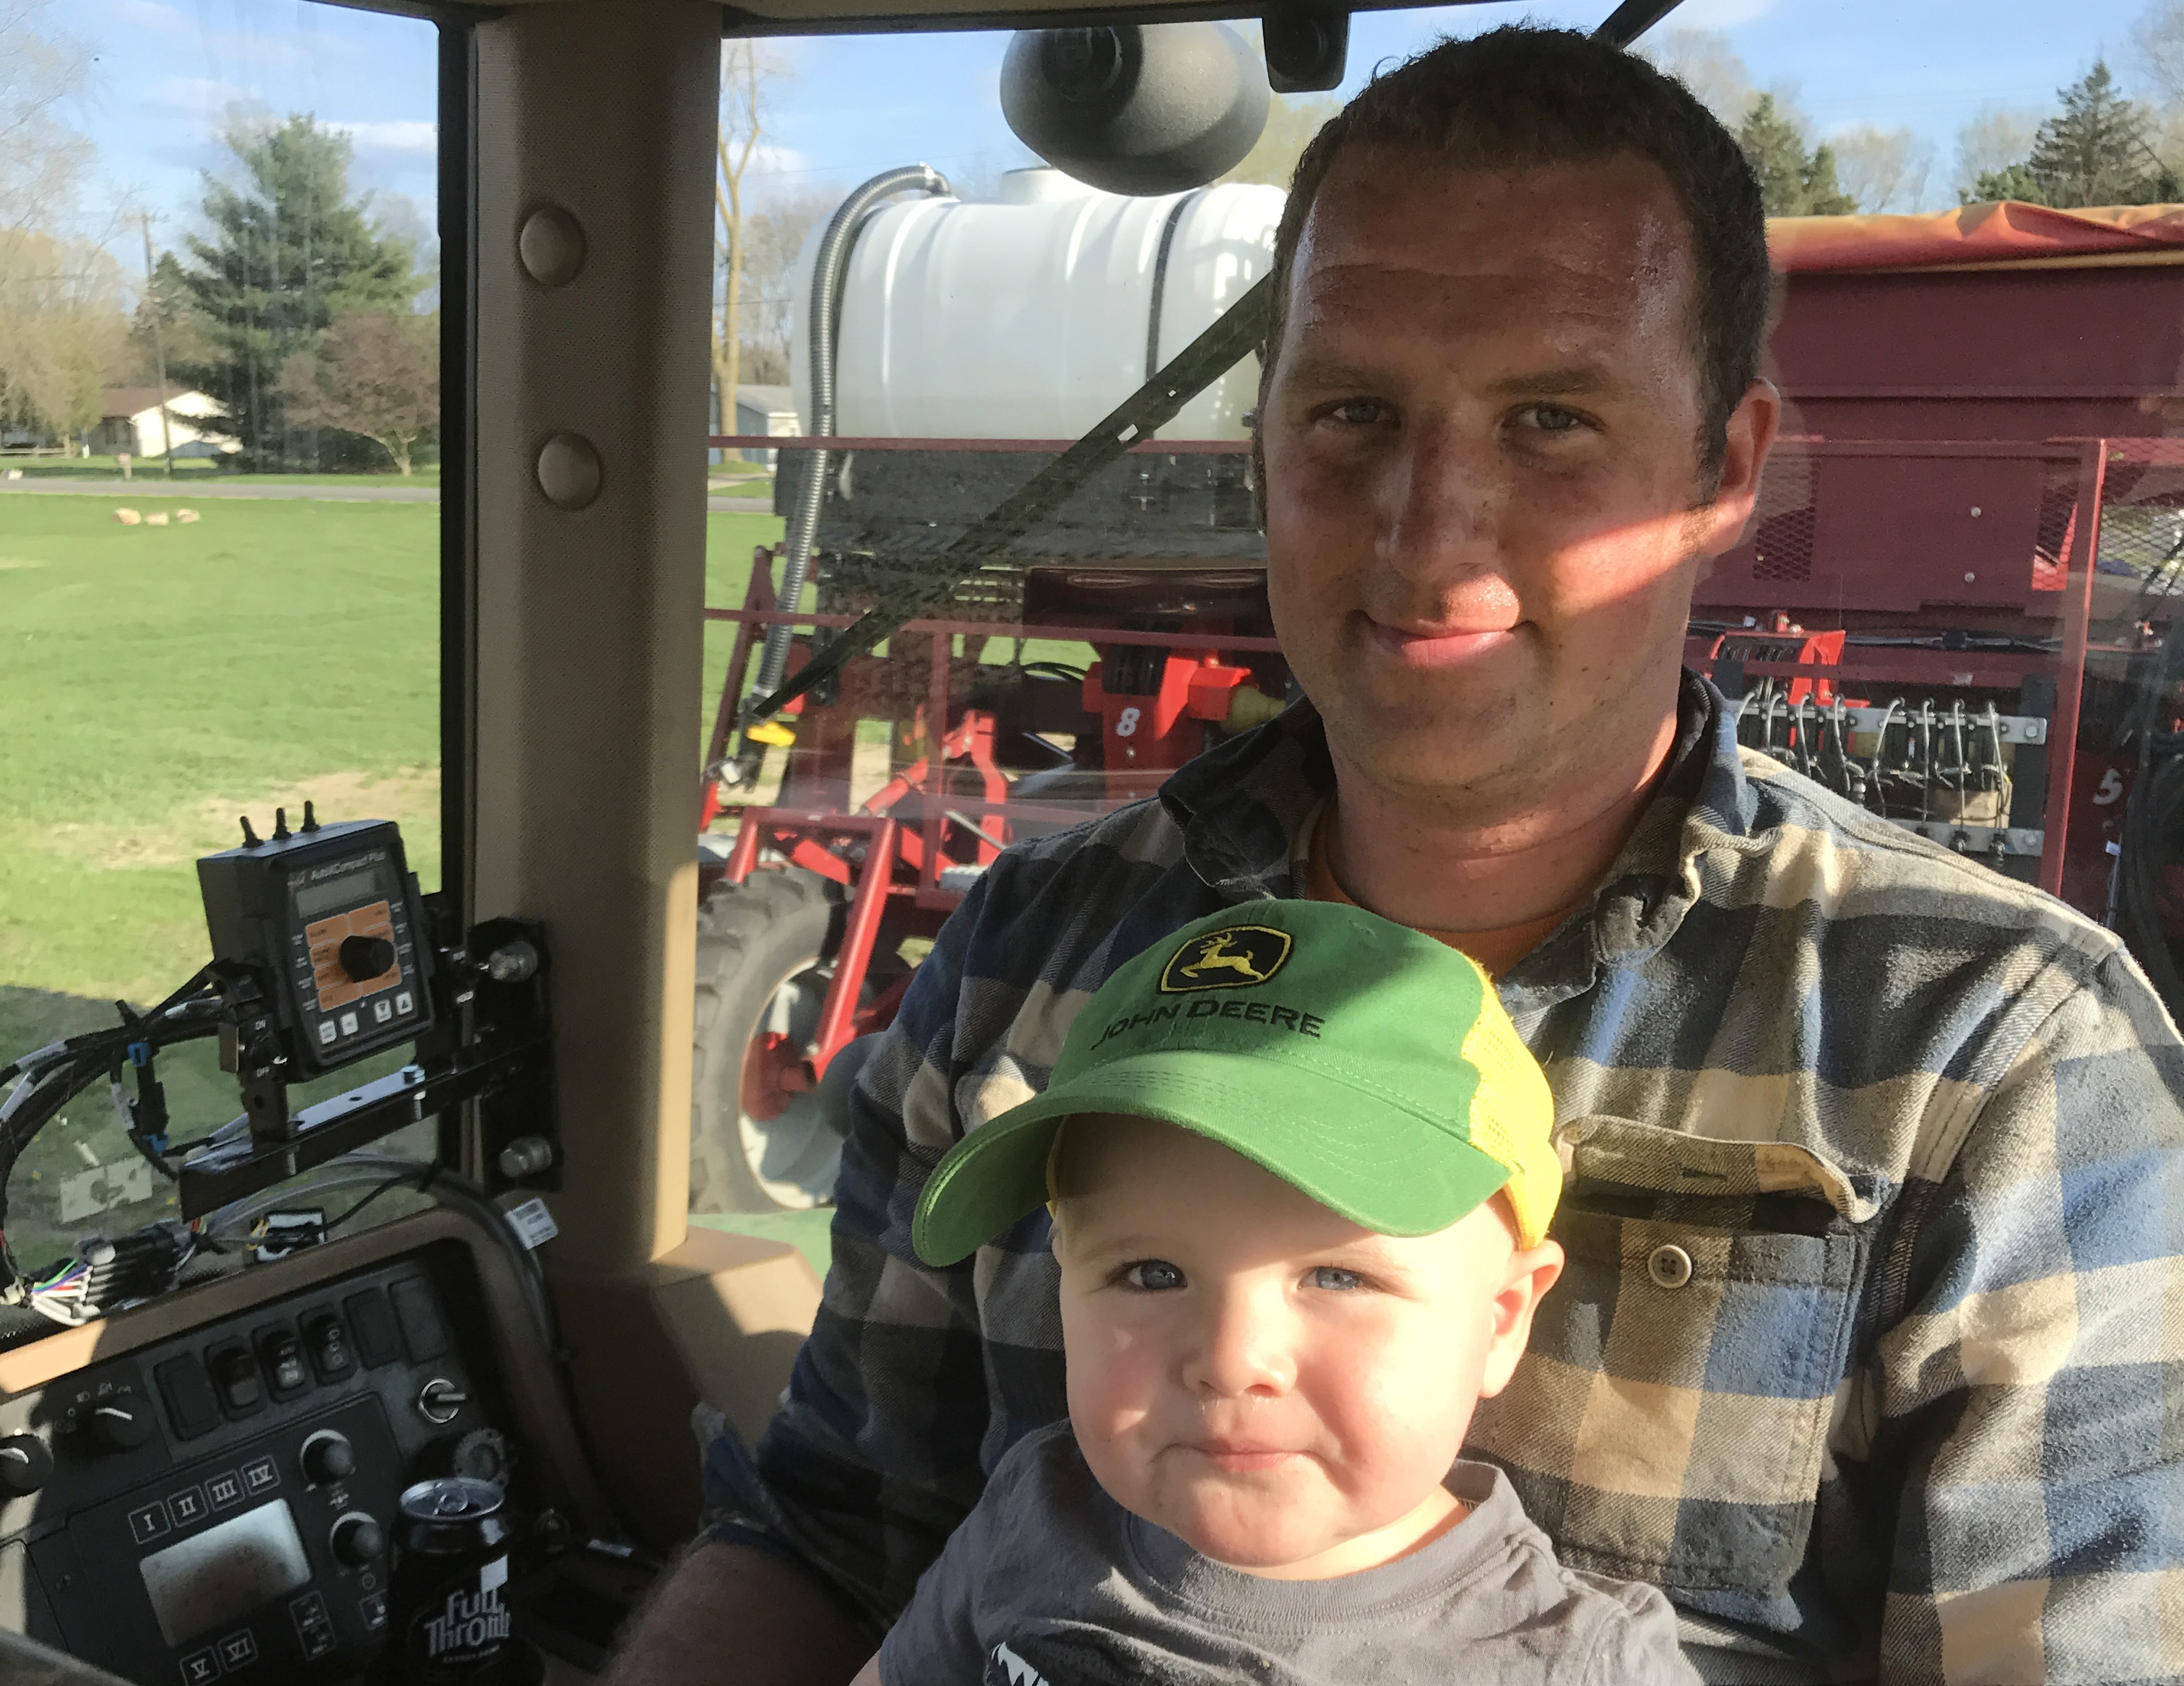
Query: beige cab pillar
{"points": [[594, 133]]}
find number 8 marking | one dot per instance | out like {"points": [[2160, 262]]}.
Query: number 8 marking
{"points": [[1126, 723]]}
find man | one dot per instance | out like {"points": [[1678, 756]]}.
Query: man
{"points": [[1867, 1350]]}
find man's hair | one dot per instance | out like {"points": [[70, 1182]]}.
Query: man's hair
{"points": [[1519, 97]]}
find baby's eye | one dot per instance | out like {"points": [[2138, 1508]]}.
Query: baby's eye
{"points": [[1153, 1275], [1334, 1279]]}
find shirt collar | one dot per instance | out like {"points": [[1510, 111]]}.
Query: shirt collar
{"points": [[1244, 806]]}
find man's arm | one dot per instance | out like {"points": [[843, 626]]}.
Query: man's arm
{"points": [[735, 1616], [2031, 1385]]}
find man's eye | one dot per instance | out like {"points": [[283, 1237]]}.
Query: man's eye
{"points": [[1549, 418], [1153, 1275], [1359, 412], [1334, 1279]]}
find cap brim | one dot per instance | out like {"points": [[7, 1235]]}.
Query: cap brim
{"points": [[1382, 1167]]}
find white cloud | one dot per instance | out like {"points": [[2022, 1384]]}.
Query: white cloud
{"points": [[395, 135], [197, 95], [152, 16]]}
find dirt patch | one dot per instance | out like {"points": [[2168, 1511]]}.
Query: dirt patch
{"points": [[407, 794]]}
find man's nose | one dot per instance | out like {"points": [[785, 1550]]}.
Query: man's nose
{"points": [[1244, 1346], [1440, 499]]}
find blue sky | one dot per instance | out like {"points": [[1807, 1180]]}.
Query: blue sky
{"points": [[165, 71]]}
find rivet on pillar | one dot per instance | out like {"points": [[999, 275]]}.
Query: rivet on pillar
{"points": [[551, 246], [569, 471]]}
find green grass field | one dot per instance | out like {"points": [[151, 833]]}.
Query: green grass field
{"points": [[151, 472], [157, 682]]}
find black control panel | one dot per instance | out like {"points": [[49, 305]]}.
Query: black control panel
{"points": [[330, 917], [219, 1507]]}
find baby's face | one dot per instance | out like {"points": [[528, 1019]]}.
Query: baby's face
{"points": [[1280, 1388]]}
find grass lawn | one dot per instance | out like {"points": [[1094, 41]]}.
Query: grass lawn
{"points": [[198, 471], [157, 682]]}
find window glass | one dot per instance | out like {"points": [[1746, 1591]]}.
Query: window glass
{"points": [[990, 307], [219, 518]]}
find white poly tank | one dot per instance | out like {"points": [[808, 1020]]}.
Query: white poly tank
{"points": [[1033, 317]]}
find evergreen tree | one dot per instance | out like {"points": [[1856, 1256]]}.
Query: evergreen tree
{"points": [[1792, 181], [2094, 152], [167, 321], [1822, 197], [290, 251]]}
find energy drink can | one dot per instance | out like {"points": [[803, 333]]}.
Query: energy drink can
{"points": [[448, 1620]]}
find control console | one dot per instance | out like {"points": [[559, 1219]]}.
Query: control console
{"points": [[218, 1506]]}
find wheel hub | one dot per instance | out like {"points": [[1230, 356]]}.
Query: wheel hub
{"points": [[774, 1073]]}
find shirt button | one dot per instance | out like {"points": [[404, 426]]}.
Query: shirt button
{"points": [[1669, 1266]]}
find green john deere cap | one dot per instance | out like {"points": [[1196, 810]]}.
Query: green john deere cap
{"points": [[1371, 1067]]}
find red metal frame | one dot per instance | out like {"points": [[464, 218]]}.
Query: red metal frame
{"points": [[902, 862]]}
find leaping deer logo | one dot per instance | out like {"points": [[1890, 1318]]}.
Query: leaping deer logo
{"points": [[1233, 958], [1215, 955]]}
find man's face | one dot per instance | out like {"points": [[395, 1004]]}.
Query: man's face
{"points": [[1481, 453], [1258, 1376]]}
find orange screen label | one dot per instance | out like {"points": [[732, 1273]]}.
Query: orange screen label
{"points": [[335, 987]]}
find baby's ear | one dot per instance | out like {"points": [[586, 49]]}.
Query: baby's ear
{"points": [[1532, 1271]]}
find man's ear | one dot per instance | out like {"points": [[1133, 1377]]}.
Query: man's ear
{"points": [[1749, 438], [1532, 1271]]}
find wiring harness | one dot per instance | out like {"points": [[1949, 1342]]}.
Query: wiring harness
{"points": [[45, 1079]]}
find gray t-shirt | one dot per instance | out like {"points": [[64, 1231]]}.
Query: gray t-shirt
{"points": [[1049, 1582]]}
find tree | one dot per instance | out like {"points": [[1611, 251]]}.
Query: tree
{"points": [[2158, 35], [773, 235], [41, 158], [1704, 62], [2095, 151], [289, 251], [1990, 143], [745, 73], [372, 373], [1883, 170], [61, 327], [1792, 181], [1292, 120], [166, 317]]}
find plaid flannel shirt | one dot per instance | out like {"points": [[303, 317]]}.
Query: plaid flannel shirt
{"points": [[1870, 1350]]}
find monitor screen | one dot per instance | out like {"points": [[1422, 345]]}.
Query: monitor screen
{"points": [[225, 1572], [366, 883]]}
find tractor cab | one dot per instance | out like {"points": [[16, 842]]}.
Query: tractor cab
{"points": [[745, 470]]}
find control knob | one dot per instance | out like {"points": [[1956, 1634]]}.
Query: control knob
{"points": [[439, 1401], [482, 1455], [357, 1540], [121, 1423], [25, 1466], [327, 1457], [366, 957]]}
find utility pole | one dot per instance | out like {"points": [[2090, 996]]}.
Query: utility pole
{"points": [[158, 342]]}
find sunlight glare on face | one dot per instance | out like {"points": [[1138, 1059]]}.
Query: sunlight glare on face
{"points": [[1481, 439]]}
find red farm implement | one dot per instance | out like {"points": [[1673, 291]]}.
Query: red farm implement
{"points": [[1952, 606]]}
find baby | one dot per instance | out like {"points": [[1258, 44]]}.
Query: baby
{"points": [[1300, 1172]]}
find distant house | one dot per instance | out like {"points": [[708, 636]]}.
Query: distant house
{"points": [[771, 411], [129, 420]]}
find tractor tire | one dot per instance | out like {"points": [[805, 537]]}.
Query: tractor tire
{"points": [[765, 953]]}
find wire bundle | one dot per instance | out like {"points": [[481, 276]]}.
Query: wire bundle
{"points": [[61, 1295], [48, 1077]]}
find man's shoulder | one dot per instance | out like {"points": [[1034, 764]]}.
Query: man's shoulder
{"points": [[1807, 843]]}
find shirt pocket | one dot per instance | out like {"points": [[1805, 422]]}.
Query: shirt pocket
{"points": [[1669, 1420]]}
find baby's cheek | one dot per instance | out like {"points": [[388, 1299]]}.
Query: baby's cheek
{"points": [[1398, 1413]]}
